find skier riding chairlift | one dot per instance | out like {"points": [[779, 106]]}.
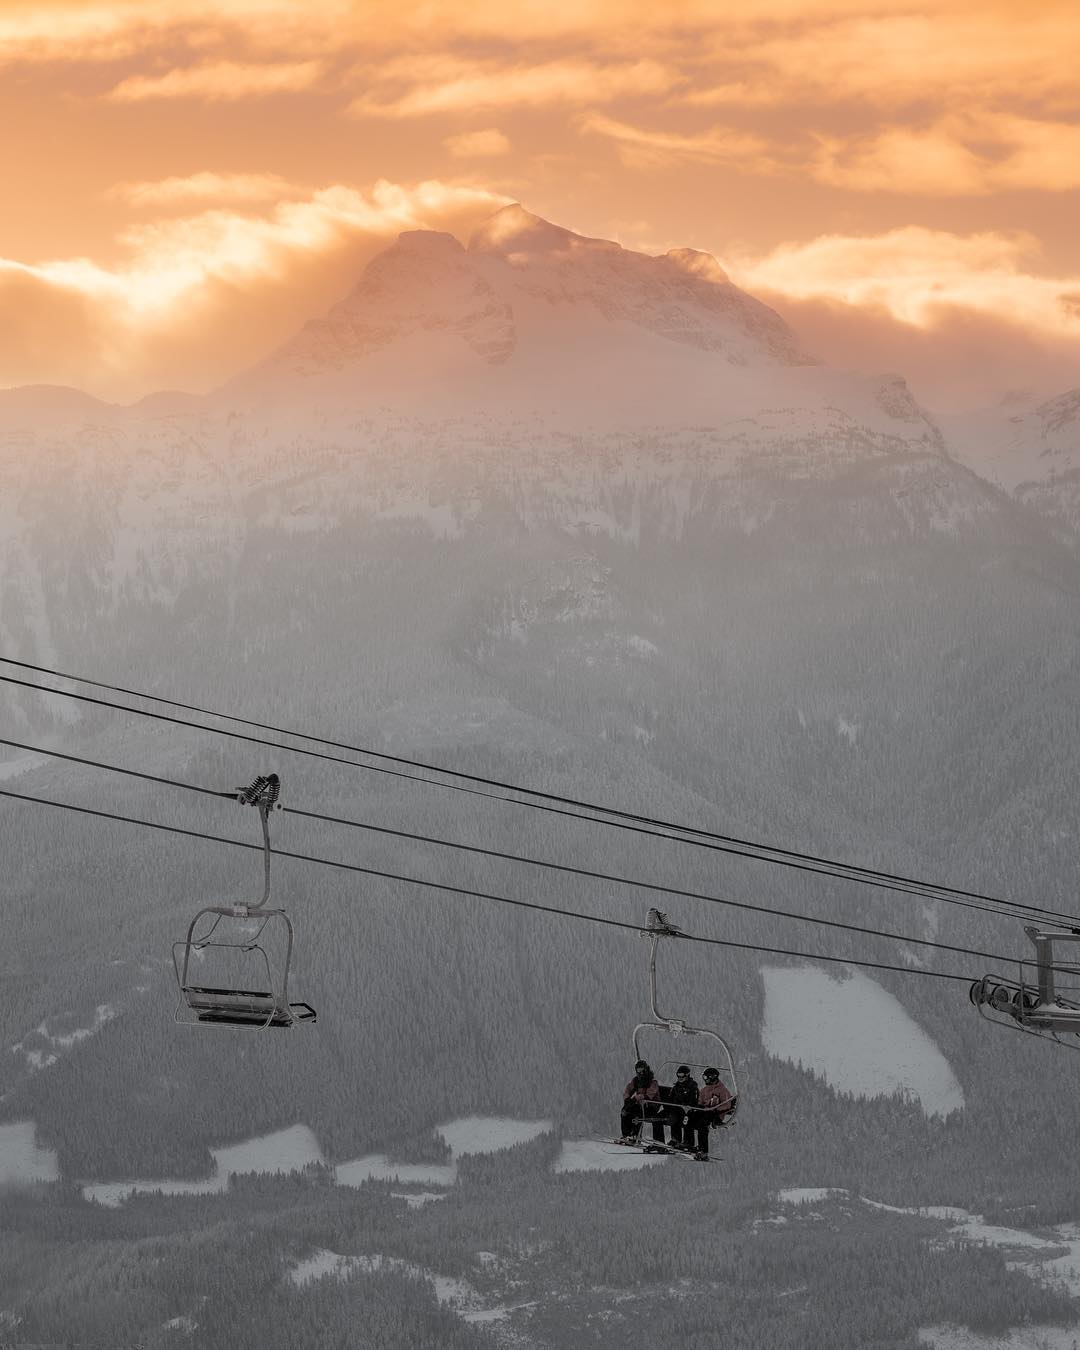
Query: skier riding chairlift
{"points": [[718, 1111]]}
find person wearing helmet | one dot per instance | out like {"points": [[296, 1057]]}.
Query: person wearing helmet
{"points": [[683, 1096], [641, 1098], [715, 1104]]}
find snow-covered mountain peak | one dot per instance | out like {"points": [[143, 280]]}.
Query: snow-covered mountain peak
{"points": [[434, 243], [566, 313], [513, 231], [697, 263]]}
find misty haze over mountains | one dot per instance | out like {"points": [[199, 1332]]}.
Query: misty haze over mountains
{"points": [[543, 509]]}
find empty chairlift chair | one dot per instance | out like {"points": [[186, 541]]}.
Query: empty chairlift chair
{"points": [[235, 970]]}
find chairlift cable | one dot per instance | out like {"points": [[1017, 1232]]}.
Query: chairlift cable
{"points": [[469, 893], [503, 856], [617, 819]]}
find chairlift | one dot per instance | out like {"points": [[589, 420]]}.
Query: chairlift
{"points": [[241, 950], [705, 1040], [1032, 1003]]}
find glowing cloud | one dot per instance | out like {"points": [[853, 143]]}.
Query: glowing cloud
{"points": [[915, 274], [201, 296], [223, 80], [478, 144], [958, 156], [219, 188], [952, 55], [640, 147], [444, 84]]}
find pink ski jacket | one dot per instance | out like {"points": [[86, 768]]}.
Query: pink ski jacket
{"points": [[715, 1097], [647, 1094]]}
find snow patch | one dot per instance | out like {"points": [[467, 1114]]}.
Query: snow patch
{"points": [[856, 1035], [1020, 1338], [469, 1134], [378, 1167], [489, 1134], [588, 1155], [293, 1149], [15, 768], [21, 1160], [318, 1266], [38, 1058], [807, 1195], [417, 1199], [458, 1295], [1051, 1264], [288, 1150]]}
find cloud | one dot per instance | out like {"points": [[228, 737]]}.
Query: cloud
{"points": [[961, 155], [202, 296], [950, 57], [962, 362], [913, 272], [220, 81], [441, 84], [642, 148], [482, 144], [88, 30], [219, 188], [962, 314], [971, 154]]}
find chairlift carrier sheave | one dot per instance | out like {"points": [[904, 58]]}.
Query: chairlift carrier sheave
{"points": [[229, 943], [1033, 1003]]}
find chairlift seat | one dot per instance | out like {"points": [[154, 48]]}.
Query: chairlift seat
{"points": [[244, 1007]]}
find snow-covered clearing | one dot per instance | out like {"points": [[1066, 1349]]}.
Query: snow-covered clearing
{"points": [[807, 1195], [188, 1325], [15, 768], [21, 1160], [856, 1035], [1051, 1255], [288, 1150], [418, 1199], [40, 1057], [469, 1134], [378, 1167], [1020, 1338], [293, 1149], [458, 1295], [489, 1134], [589, 1155]]}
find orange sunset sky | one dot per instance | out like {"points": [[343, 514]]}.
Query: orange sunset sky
{"points": [[186, 182]]}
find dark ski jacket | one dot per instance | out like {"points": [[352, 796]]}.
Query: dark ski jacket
{"points": [[684, 1092]]}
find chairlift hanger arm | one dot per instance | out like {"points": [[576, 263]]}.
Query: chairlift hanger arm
{"points": [[262, 792]]}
